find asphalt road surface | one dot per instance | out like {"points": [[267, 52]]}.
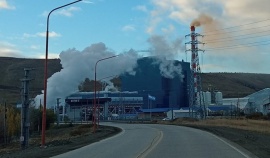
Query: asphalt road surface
{"points": [[159, 141]]}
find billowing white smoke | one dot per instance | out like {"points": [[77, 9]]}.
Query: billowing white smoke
{"points": [[110, 86], [78, 65], [165, 52]]}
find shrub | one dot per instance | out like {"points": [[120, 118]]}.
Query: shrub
{"points": [[268, 115], [255, 116], [79, 131]]}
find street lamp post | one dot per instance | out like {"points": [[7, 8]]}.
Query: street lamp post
{"points": [[46, 73], [95, 94]]}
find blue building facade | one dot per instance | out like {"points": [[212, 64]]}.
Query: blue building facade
{"points": [[168, 92]]}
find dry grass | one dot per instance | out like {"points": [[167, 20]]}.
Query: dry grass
{"points": [[245, 124], [56, 134]]}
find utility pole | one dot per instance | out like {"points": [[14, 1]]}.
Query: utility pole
{"points": [[57, 110], [5, 123], [25, 124], [84, 111]]}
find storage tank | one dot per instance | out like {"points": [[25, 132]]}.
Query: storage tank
{"points": [[207, 98], [218, 98]]}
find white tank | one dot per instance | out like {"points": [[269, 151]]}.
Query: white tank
{"points": [[218, 98], [207, 97]]}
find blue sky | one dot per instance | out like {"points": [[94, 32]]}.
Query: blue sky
{"points": [[126, 24]]}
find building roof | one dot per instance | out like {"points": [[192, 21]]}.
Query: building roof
{"points": [[240, 102], [221, 108], [87, 95], [190, 108], [156, 110]]}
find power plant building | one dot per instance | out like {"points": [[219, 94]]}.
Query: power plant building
{"points": [[147, 89], [148, 80]]}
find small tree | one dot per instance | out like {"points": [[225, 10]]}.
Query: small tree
{"points": [[50, 118], [13, 122], [35, 119], [1, 124], [86, 86]]}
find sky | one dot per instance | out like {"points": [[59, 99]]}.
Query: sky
{"points": [[236, 33]]}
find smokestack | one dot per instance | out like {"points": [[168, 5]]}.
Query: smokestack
{"points": [[194, 56], [195, 68], [192, 28]]}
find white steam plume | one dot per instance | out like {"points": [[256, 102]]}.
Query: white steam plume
{"points": [[78, 65], [165, 52], [110, 86]]}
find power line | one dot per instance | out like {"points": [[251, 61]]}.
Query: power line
{"points": [[236, 30], [238, 46], [240, 25], [229, 39], [241, 44], [241, 36]]}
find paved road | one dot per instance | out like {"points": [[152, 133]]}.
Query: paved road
{"points": [[158, 141]]}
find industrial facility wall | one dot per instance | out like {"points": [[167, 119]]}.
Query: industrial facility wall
{"points": [[169, 92]]}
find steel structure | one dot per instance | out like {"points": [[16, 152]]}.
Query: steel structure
{"points": [[196, 98], [25, 122], [118, 105]]}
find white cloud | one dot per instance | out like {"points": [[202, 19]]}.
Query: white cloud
{"points": [[169, 29], [153, 24], [88, 2], [64, 12], [27, 35], [45, 13], [68, 12], [128, 28], [42, 34], [50, 55], [35, 47], [5, 5], [51, 34], [9, 50], [141, 8], [227, 12], [223, 14]]}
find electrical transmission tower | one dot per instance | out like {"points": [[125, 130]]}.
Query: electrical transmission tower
{"points": [[195, 89]]}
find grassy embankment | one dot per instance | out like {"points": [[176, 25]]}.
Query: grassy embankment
{"points": [[262, 126]]}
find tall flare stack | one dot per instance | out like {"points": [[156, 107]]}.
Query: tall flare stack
{"points": [[195, 91], [194, 57]]}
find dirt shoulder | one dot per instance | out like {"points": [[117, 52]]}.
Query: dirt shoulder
{"points": [[255, 142], [253, 135], [60, 141]]}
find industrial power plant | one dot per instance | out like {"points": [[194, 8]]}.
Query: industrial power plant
{"points": [[145, 92], [151, 94], [171, 78]]}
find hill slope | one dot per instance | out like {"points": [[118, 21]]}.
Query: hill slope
{"points": [[235, 84], [11, 71]]}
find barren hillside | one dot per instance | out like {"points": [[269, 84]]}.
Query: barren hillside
{"points": [[11, 71]]}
